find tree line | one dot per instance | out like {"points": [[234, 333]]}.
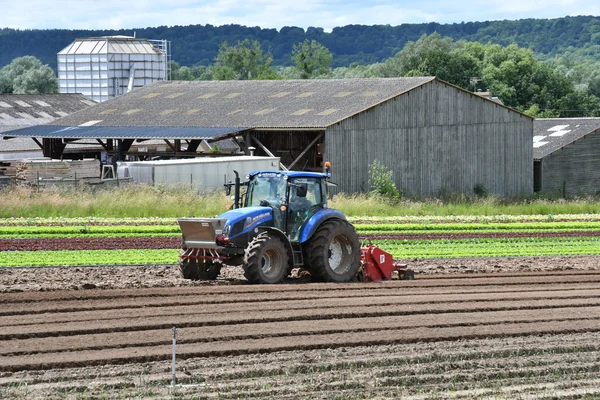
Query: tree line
{"points": [[513, 74], [362, 44]]}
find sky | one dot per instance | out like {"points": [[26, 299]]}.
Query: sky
{"points": [[327, 14]]}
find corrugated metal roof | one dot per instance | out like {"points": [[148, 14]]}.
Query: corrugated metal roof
{"points": [[26, 144], [110, 45], [18, 145], [551, 134], [119, 132], [25, 110], [309, 103], [35, 109]]}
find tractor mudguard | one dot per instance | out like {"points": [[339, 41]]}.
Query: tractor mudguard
{"points": [[286, 242], [316, 220]]}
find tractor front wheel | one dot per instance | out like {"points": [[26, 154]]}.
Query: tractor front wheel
{"points": [[266, 260], [333, 253], [199, 269]]}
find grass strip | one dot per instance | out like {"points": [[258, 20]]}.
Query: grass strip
{"points": [[461, 227], [87, 257], [491, 247]]}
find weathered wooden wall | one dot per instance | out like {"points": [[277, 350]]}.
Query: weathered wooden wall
{"points": [[437, 139], [288, 145], [575, 169]]}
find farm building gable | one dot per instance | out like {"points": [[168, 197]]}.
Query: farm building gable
{"points": [[567, 156], [436, 139]]}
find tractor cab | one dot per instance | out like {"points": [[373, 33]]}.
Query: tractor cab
{"points": [[293, 197]]}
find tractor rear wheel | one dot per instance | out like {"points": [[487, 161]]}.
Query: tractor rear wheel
{"points": [[333, 253], [199, 269], [266, 259]]}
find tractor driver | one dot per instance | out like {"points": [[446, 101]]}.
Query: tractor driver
{"points": [[299, 204], [298, 207]]}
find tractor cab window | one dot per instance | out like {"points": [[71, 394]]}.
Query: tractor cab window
{"points": [[267, 189], [305, 200]]}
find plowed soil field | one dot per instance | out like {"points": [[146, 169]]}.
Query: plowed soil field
{"points": [[506, 335]]}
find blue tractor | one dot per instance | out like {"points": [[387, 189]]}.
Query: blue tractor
{"points": [[281, 222]]}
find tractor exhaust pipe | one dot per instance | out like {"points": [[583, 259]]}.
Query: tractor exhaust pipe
{"points": [[236, 198]]}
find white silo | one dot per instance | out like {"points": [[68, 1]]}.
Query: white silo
{"points": [[108, 66]]}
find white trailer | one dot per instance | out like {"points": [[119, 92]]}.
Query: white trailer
{"points": [[202, 173]]}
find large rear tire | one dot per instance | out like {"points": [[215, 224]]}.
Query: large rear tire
{"points": [[266, 260], [333, 253], [199, 269]]}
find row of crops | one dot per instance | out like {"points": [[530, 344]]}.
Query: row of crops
{"points": [[101, 241]]}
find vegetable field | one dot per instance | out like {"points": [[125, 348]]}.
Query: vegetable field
{"points": [[147, 241], [478, 322]]}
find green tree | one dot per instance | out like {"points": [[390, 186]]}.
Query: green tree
{"points": [[243, 61], [521, 81], [179, 73], [202, 73], [578, 103], [535, 112], [434, 56], [27, 75], [594, 86], [311, 58], [183, 74]]}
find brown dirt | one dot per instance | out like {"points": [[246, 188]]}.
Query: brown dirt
{"points": [[114, 277], [512, 328]]}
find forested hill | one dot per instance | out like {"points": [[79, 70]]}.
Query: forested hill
{"points": [[199, 44]]}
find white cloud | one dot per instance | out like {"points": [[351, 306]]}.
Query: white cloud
{"points": [[115, 14]]}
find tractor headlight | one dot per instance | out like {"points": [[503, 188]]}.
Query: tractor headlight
{"points": [[226, 231]]}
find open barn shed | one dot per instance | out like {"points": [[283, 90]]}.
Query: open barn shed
{"points": [[566, 155], [435, 137]]}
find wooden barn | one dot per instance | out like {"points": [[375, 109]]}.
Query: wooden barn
{"points": [[566, 155], [435, 137]]}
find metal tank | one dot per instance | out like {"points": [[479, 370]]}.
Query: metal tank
{"points": [[202, 173], [105, 67]]}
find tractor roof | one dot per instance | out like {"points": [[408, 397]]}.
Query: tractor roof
{"points": [[292, 174]]}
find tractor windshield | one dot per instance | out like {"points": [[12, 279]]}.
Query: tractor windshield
{"points": [[266, 189]]}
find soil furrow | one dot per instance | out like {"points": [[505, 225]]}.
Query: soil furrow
{"points": [[118, 303], [206, 288], [297, 343], [485, 353], [311, 373], [199, 308], [235, 318], [275, 329], [486, 335]]}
